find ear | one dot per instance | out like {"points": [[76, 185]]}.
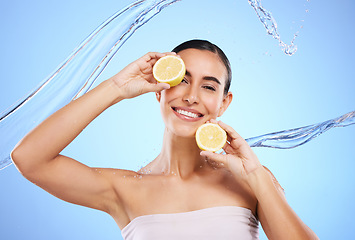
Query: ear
{"points": [[158, 96], [225, 103]]}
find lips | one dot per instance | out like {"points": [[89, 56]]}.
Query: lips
{"points": [[187, 113]]}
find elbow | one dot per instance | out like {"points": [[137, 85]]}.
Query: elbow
{"points": [[19, 158], [28, 162]]}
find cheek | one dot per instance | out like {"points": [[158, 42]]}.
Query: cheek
{"points": [[168, 94], [166, 97], [213, 105]]}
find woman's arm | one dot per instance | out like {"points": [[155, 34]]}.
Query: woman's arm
{"points": [[278, 219], [37, 155]]}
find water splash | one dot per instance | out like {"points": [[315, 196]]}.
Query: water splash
{"points": [[79, 71], [296, 137], [270, 25]]}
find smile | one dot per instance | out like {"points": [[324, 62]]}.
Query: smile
{"points": [[187, 113]]}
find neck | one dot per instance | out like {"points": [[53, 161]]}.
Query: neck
{"points": [[180, 156]]}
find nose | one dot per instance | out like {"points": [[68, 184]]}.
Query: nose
{"points": [[191, 96]]}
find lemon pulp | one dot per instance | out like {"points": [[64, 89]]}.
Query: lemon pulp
{"points": [[210, 137], [169, 69]]}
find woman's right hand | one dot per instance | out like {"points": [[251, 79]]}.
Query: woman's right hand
{"points": [[137, 78]]}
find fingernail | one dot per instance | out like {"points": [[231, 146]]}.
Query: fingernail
{"points": [[166, 86]]}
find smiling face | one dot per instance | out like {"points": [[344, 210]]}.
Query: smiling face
{"points": [[199, 97]]}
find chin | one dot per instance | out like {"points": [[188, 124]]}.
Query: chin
{"points": [[185, 131]]}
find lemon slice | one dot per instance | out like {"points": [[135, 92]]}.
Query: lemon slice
{"points": [[169, 69], [210, 137]]}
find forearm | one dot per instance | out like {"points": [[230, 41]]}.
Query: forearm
{"points": [[281, 220], [49, 138]]}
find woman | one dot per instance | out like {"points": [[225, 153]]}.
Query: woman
{"points": [[181, 193]]}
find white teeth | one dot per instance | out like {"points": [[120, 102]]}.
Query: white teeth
{"points": [[186, 113]]}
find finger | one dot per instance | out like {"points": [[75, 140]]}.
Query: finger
{"points": [[157, 87], [150, 55], [230, 131], [157, 55], [232, 135], [228, 149], [153, 57]]}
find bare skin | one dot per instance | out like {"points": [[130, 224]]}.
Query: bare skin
{"points": [[181, 178]]}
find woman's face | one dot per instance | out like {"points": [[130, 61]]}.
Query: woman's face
{"points": [[199, 97]]}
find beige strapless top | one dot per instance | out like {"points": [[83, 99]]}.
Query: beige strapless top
{"points": [[216, 223]]}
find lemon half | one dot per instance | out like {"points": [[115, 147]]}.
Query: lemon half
{"points": [[210, 137], [169, 69]]}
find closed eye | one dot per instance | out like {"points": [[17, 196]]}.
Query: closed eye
{"points": [[209, 88]]}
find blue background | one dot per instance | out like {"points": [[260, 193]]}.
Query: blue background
{"points": [[272, 92]]}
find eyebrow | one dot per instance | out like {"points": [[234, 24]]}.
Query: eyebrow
{"points": [[208, 78]]}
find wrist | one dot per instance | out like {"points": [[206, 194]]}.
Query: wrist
{"points": [[113, 91], [260, 181]]}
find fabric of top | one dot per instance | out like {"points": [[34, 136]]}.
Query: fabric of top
{"points": [[216, 223]]}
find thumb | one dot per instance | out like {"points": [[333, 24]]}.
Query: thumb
{"points": [[220, 158], [158, 87]]}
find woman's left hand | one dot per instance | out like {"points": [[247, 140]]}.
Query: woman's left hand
{"points": [[240, 159]]}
